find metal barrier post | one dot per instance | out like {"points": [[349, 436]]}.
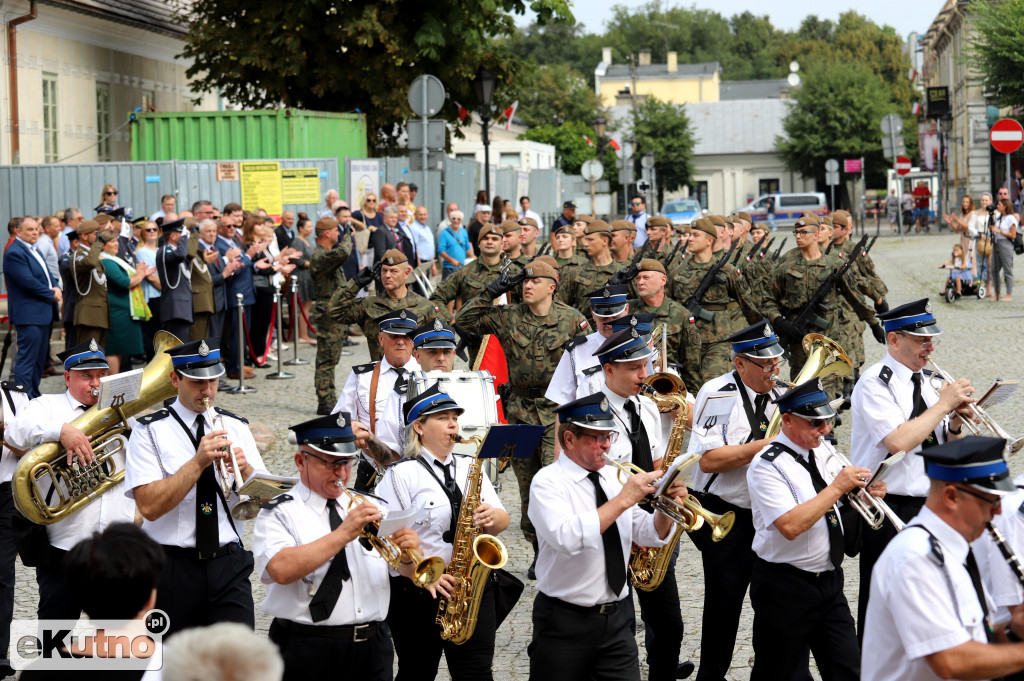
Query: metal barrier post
{"points": [[280, 336], [295, 360], [240, 349]]}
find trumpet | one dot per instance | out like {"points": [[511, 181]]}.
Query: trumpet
{"points": [[245, 508], [689, 513], [426, 571], [874, 510], [1013, 445]]}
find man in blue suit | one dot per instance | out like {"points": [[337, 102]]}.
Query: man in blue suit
{"points": [[31, 299]]}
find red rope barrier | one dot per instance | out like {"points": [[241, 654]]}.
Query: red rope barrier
{"points": [[262, 360], [302, 311]]}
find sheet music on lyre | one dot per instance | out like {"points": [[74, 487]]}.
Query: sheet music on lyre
{"points": [[998, 393], [125, 387], [715, 411]]}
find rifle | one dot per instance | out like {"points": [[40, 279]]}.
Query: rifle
{"points": [[693, 302], [753, 250], [808, 315], [870, 245], [766, 248], [637, 257], [675, 249], [781, 246], [829, 248]]}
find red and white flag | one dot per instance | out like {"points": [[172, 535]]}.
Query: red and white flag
{"points": [[588, 140], [916, 109], [510, 112], [912, 74], [614, 144], [463, 112]]}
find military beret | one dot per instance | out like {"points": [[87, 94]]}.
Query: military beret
{"points": [[705, 225], [719, 220], [565, 229], [326, 225], [547, 259], [394, 256], [742, 215], [651, 265], [528, 221], [509, 226], [488, 228], [103, 219], [841, 217], [659, 221], [190, 222], [583, 217], [826, 221], [88, 227], [623, 226], [807, 219], [535, 270], [598, 227]]}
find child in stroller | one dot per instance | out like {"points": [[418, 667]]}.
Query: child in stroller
{"points": [[961, 278]]}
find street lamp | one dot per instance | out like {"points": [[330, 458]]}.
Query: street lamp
{"points": [[483, 88], [600, 128]]}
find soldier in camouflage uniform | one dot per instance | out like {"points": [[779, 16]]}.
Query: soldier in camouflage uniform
{"points": [[471, 279], [566, 254], [579, 228], [511, 245], [623, 235], [393, 269], [533, 335], [325, 269], [728, 299], [659, 234], [683, 339], [795, 281], [580, 281]]}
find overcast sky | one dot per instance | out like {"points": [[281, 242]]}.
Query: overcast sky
{"points": [[903, 16]]}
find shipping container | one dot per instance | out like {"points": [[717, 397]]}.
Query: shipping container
{"points": [[282, 133]]}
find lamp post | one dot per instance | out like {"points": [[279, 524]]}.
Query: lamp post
{"points": [[600, 128], [483, 88]]}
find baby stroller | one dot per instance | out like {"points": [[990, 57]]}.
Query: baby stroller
{"points": [[968, 287]]}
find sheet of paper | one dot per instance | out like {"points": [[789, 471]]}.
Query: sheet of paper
{"points": [[715, 411], [127, 385], [885, 467], [397, 519]]}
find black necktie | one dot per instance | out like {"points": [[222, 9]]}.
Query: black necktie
{"points": [[326, 597], [972, 569], [760, 402], [614, 563], [400, 382], [835, 532], [207, 535], [638, 438], [449, 482], [920, 407]]}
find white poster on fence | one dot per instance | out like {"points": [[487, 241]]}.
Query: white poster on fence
{"points": [[522, 188], [365, 180]]}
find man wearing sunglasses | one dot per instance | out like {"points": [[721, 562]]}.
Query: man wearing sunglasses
{"points": [[929, 616], [638, 216], [896, 407], [797, 490]]}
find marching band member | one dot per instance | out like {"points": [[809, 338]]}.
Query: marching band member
{"points": [[896, 408], [433, 479], [13, 397], [583, 621], [796, 586], [928, 617], [48, 418], [727, 445], [328, 594], [172, 455]]}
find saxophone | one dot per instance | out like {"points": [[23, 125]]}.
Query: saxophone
{"points": [[474, 555], [648, 565]]}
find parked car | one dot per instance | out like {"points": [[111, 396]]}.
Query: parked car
{"points": [[682, 211], [788, 207]]}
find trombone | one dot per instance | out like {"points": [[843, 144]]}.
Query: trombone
{"points": [[688, 513], [1013, 445], [246, 508], [873, 509]]}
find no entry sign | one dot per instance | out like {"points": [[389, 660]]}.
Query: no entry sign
{"points": [[1006, 136], [903, 165]]}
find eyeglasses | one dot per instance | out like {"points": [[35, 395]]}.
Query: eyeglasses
{"points": [[112, 193], [966, 490], [920, 340], [152, 229], [332, 465], [804, 232], [604, 438], [370, 201], [772, 364], [813, 423], [638, 203]]}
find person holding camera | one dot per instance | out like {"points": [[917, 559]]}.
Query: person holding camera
{"points": [[1003, 226]]}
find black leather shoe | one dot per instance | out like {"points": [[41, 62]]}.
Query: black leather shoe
{"points": [[684, 669]]}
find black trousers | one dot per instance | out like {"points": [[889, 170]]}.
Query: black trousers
{"points": [[57, 599], [794, 609], [307, 656], [149, 328], [728, 565], [418, 641], [874, 542], [8, 554], [576, 644], [195, 593], [663, 622]]}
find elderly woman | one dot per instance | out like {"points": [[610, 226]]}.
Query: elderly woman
{"points": [[453, 245], [434, 481], [127, 308]]}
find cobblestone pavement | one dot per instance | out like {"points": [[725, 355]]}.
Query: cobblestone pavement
{"points": [[976, 340]]}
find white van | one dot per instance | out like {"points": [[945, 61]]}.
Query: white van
{"points": [[788, 207]]}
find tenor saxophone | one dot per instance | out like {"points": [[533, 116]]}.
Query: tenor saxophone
{"points": [[648, 565], [474, 555]]}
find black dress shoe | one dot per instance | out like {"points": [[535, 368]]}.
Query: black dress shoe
{"points": [[684, 669]]}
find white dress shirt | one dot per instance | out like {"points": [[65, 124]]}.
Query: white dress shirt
{"points": [[621, 450], [531, 214], [158, 448], [879, 408], [919, 604], [355, 396], [732, 429], [1001, 583], [303, 520], [40, 421], [563, 509], [776, 488], [12, 401], [588, 378], [407, 484]]}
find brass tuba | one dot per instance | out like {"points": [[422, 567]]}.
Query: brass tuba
{"points": [[825, 357], [474, 555], [77, 485]]}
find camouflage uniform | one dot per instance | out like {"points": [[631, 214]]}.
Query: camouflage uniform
{"points": [[728, 299], [867, 283], [465, 284], [566, 264], [683, 339], [325, 269], [532, 345], [794, 281], [345, 308], [575, 285]]}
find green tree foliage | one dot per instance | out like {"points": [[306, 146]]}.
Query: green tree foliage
{"points": [[554, 94], [996, 51], [665, 129], [836, 113], [558, 43], [330, 56], [569, 143]]}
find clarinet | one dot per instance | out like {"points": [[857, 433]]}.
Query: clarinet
{"points": [[1008, 554]]}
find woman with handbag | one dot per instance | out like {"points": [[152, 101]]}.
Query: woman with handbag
{"points": [[1004, 231], [981, 241], [435, 480]]}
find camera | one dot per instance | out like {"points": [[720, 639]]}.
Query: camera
{"points": [[991, 208]]}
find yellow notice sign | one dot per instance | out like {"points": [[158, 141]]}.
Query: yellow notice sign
{"points": [[261, 186], [300, 185]]}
